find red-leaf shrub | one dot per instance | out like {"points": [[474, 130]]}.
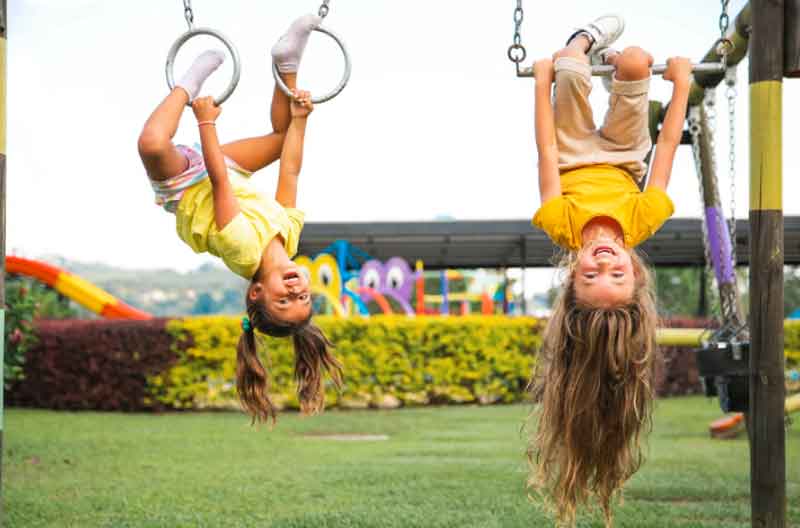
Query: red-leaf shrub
{"points": [[94, 364]]}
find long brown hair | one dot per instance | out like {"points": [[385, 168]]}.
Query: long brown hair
{"points": [[312, 353], [593, 386]]}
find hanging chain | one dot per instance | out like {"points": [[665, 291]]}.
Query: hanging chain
{"points": [[710, 106], [728, 299], [730, 92], [517, 52], [724, 19], [188, 14], [724, 45], [323, 9]]}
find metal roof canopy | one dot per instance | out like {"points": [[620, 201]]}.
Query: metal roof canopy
{"points": [[507, 243]]}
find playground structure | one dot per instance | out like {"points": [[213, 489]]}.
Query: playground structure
{"points": [[348, 279], [772, 32], [75, 288]]}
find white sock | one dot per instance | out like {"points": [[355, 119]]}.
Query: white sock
{"points": [[286, 53], [203, 66]]}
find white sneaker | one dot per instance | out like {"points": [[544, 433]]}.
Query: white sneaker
{"points": [[602, 31]]}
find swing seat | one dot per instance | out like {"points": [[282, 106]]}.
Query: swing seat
{"points": [[725, 371]]}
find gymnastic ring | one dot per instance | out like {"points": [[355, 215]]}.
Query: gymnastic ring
{"points": [[237, 66], [342, 83]]}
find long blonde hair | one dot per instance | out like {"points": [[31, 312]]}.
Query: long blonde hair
{"points": [[593, 386]]}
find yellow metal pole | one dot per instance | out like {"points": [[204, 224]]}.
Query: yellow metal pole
{"points": [[680, 337]]}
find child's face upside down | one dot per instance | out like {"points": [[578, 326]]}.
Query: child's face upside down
{"points": [[604, 274], [286, 294]]}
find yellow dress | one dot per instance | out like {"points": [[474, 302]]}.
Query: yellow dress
{"points": [[241, 243], [602, 190]]}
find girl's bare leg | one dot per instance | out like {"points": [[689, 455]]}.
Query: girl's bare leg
{"points": [[575, 49], [574, 120], [160, 157], [256, 153]]}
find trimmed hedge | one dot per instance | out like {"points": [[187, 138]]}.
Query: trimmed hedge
{"points": [[95, 364], [389, 361], [791, 343]]}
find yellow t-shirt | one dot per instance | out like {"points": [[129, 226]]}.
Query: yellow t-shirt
{"points": [[241, 243], [602, 190]]}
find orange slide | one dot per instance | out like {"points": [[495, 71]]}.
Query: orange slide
{"points": [[82, 292]]}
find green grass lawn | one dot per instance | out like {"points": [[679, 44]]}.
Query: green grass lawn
{"points": [[441, 467]]}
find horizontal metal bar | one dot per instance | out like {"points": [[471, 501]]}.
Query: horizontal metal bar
{"points": [[683, 337], [658, 69]]}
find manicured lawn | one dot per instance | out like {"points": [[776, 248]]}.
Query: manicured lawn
{"points": [[454, 467]]}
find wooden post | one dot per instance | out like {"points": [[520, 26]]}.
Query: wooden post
{"points": [[767, 390], [3, 77], [791, 41]]}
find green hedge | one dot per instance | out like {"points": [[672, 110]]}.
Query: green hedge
{"points": [[791, 343], [388, 361]]}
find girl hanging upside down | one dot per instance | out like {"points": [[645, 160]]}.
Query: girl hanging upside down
{"points": [[217, 210], [594, 380]]}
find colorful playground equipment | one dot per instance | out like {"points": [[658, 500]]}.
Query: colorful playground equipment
{"points": [[444, 299], [349, 280], [73, 287], [380, 282]]}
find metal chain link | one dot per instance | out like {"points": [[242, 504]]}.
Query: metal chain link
{"points": [[724, 45], [730, 93], [323, 9], [188, 14], [724, 19], [728, 303], [710, 105], [517, 52]]}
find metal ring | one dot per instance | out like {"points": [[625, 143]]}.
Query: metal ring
{"points": [[517, 53], [339, 87], [724, 47], [237, 66]]}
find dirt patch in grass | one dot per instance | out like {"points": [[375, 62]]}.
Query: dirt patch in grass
{"points": [[347, 437]]}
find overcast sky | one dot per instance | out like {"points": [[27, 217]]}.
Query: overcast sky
{"points": [[433, 123]]}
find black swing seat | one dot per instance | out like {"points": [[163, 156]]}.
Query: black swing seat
{"points": [[724, 368]]}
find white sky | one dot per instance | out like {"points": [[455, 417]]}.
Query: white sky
{"points": [[433, 123]]}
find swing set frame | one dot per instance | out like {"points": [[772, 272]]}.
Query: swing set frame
{"points": [[772, 29]]}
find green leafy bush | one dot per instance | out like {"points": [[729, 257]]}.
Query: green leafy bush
{"points": [[388, 361], [19, 333], [26, 301], [791, 343]]}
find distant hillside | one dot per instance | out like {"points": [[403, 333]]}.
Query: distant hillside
{"points": [[209, 289]]}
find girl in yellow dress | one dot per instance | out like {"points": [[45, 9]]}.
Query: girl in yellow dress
{"points": [[218, 211], [594, 380]]}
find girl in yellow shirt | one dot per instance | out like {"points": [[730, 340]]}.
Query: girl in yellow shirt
{"points": [[218, 211], [594, 380]]}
